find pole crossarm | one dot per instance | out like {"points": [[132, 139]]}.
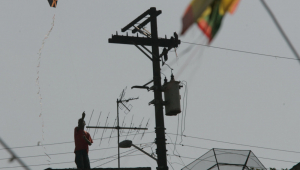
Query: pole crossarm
{"points": [[143, 15], [136, 20], [162, 42], [145, 22], [103, 127]]}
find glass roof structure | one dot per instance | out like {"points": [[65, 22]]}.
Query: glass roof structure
{"points": [[226, 159]]}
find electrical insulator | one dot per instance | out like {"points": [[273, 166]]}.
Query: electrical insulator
{"points": [[165, 51], [172, 97]]}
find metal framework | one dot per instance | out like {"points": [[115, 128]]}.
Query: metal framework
{"points": [[226, 159], [121, 100]]}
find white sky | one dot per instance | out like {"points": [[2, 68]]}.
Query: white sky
{"points": [[234, 97]]}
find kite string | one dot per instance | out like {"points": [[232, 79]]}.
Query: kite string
{"points": [[38, 83]]}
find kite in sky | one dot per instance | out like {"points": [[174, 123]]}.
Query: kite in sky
{"points": [[52, 3], [208, 15]]}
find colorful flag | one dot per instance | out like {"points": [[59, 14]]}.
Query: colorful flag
{"points": [[209, 16]]}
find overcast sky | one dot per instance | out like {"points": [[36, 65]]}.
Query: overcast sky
{"points": [[232, 96]]}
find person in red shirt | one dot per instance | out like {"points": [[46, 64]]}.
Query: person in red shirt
{"points": [[82, 141]]}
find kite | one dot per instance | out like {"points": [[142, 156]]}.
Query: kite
{"points": [[52, 3], [208, 15]]}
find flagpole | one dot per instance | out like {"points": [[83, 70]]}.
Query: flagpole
{"points": [[281, 30]]}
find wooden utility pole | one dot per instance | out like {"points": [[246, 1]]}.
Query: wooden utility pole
{"points": [[152, 40]]}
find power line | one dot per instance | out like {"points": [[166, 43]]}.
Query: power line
{"points": [[129, 150], [241, 51], [18, 147], [124, 155], [238, 144], [116, 158], [61, 162], [71, 161], [49, 163], [190, 146], [210, 149], [32, 156]]}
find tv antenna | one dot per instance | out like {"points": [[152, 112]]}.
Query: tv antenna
{"points": [[120, 101], [124, 101]]}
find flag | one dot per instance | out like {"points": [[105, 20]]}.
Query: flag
{"points": [[210, 19]]}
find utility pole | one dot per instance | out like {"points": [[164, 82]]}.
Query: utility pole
{"points": [[152, 40]]}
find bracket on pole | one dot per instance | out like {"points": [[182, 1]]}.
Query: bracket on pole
{"points": [[145, 22], [143, 52], [143, 87]]}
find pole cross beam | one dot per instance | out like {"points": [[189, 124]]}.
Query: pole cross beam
{"points": [[161, 42], [155, 42]]}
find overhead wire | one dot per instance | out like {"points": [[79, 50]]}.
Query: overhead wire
{"points": [[210, 149], [203, 138], [184, 108], [279, 160], [55, 163], [63, 162], [32, 156], [221, 153], [229, 143], [180, 124], [144, 147], [260, 147], [241, 51], [28, 146], [96, 160], [116, 159], [174, 147], [135, 150], [171, 165], [73, 161]]}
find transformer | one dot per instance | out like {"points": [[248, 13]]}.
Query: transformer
{"points": [[172, 97]]}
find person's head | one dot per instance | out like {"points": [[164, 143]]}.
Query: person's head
{"points": [[81, 124]]}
